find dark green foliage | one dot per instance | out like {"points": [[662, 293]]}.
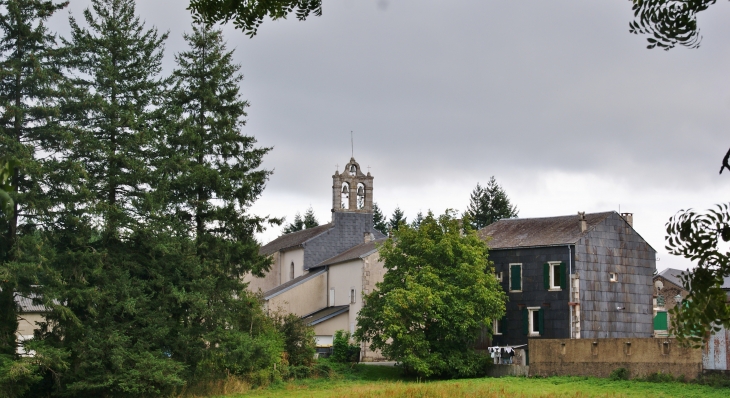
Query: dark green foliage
{"points": [[379, 221], [299, 342], [438, 291], [619, 374], [299, 223], [342, 350], [248, 15], [488, 205], [29, 95], [417, 221], [659, 377], [668, 23], [397, 219], [696, 236]]}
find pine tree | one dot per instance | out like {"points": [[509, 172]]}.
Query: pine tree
{"points": [[397, 219], [489, 204], [209, 174], [417, 221], [30, 76], [379, 221], [113, 254], [294, 226], [310, 221], [299, 223]]}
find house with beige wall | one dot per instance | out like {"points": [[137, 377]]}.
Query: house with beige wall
{"points": [[321, 273]]}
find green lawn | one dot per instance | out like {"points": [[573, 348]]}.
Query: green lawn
{"points": [[375, 381]]}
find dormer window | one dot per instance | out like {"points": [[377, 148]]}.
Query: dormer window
{"points": [[345, 196], [353, 169], [360, 196]]}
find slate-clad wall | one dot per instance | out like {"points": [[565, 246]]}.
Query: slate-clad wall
{"points": [[348, 231], [613, 246], [534, 294]]}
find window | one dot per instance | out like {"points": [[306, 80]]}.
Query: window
{"points": [[345, 196], [660, 321], [554, 275], [533, 321], [613, 277], [515, 277], [291, 271], [332, 297], [497, 326], [352, 296]]}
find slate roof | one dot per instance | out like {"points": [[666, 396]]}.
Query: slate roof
{"points": [[27, 306], [356, 252], [292, 283], [672, 275], [547, 231], [324, 314], [293, 239]]}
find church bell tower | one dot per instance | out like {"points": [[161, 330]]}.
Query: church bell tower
{"points": [[352, 191]]}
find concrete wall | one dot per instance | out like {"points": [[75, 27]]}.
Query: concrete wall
{"points": [[287, 258], [302, 299], [534, 294], [330, 326], [27, 323], [269, 281], [589, 357], [613, 246], [343, 277]]}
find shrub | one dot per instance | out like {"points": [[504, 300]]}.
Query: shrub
{"points": [[342, 350], [659, 377], [619, 374], [299, 341]]}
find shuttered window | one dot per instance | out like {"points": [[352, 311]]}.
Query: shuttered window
{"points": [[515, 277], [660, 321]]}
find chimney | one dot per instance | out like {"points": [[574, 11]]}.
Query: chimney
{"points": [[629, 217], [368, 237], [582, 221]]}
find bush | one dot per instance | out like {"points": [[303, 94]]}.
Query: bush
{"points": [[659, 377], [299, 342], [619, 374], [717, 380], [342, 350]]}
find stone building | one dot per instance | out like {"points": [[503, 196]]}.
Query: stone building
{"points": [[321, 273], [584, 276]]}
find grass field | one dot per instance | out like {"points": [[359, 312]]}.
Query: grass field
{"points": [[375, 381]]}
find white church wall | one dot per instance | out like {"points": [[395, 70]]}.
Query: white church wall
{"points": [[302, 299]]}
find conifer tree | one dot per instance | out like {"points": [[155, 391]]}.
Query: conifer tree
{"points": [[397, 219], [299, 223], [209, 174], [379, 221], [489, 204], [112, 252], [29, 91]]}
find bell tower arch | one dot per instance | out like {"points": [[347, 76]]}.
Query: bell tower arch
{"points": [[352, 190]]}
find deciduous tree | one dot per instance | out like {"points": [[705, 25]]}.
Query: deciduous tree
{"points": [[438, 291]]}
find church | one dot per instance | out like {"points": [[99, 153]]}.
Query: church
{"points": [[321, 273]]}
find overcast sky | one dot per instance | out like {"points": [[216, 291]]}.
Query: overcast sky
{"points": [[556, 99]]}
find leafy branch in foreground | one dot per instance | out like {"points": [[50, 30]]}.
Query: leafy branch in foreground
{"points": [[668, 23], [248, 15], [697, 236]]}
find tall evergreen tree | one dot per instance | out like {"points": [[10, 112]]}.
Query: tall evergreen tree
{"points": [[397, 219], [111, 255], [29, 90], [300, 223], [489, 204], [416, 223], [379, 221], [209, 175]]}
